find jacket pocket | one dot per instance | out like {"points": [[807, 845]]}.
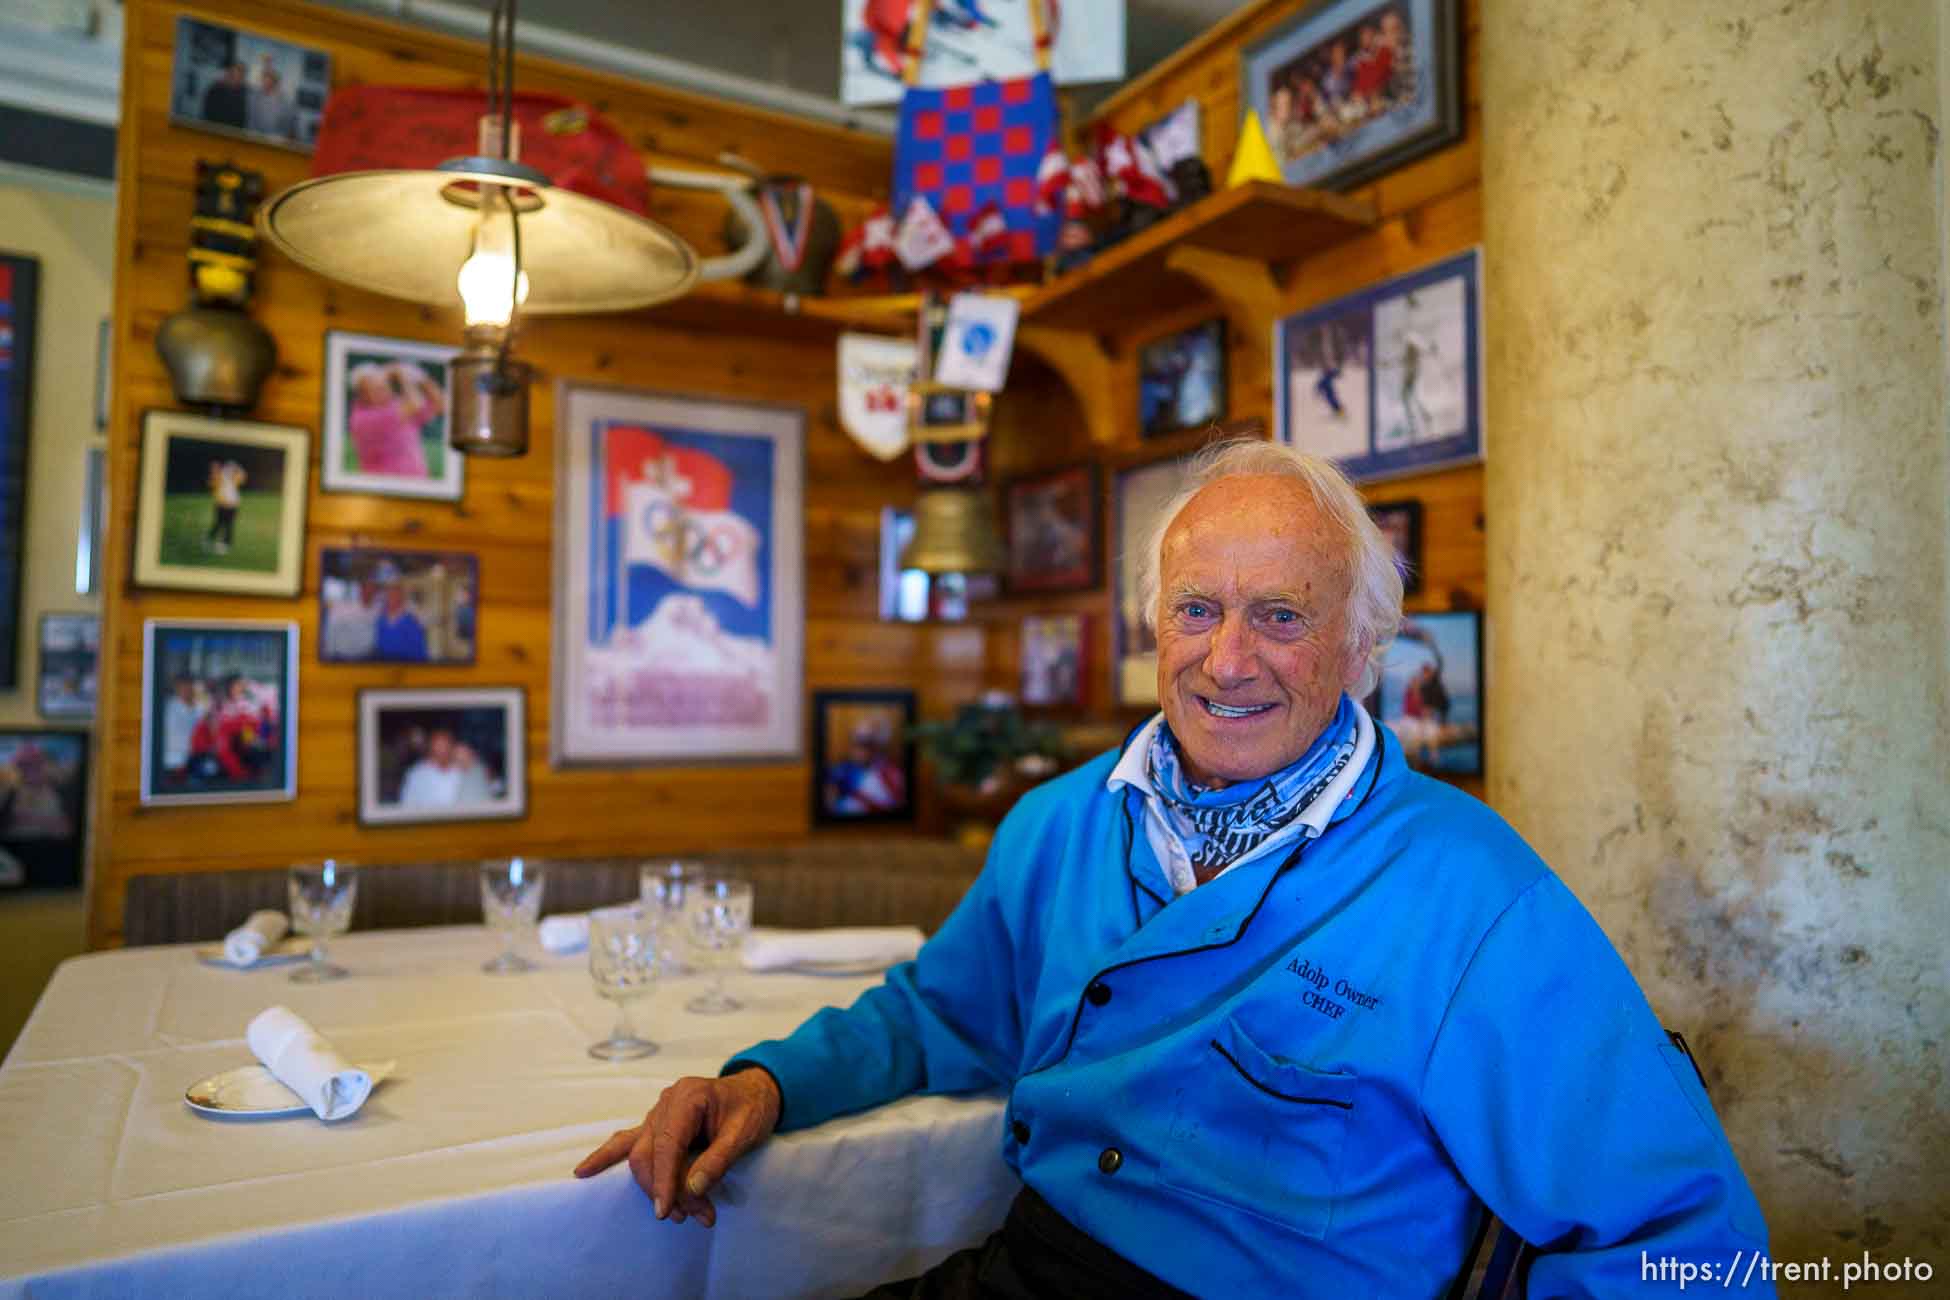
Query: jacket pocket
{"points": [[1260, 1134]]}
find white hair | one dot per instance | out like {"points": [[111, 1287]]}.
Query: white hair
{"points": [[1374, 602]]}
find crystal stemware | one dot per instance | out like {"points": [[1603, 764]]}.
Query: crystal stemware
{"points": [[717, 912], [511, 902], [665, 883], [321, 895], [622, 964]]}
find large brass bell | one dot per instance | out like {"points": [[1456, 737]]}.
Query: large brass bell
{"points": [[954, 532]]}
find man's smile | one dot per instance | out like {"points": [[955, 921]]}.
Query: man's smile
{"points": [[1219, 710]]}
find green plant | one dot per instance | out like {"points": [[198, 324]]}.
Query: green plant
{"points": [[983, 739]]}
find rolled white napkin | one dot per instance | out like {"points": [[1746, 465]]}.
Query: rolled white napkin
{"points": [[244, 945], [884, 945], [564, 934], [304, 1062]]}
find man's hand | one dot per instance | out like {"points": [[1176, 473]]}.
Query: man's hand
{"points": [[727, 1117]]}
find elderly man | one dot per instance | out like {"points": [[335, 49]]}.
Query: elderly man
{"points": [[1275, 1014]]}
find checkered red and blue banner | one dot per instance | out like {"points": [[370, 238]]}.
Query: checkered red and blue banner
{"points": [[967, 148]]}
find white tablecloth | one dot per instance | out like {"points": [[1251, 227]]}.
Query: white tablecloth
{"points": [[454, 1179]]}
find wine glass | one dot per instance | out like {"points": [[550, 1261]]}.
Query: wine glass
{"points": [[511, 902], [322, 894], [663, 883], [717, 914], [622, 963]]}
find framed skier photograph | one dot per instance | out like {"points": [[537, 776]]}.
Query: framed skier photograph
{"points": [[863, 761], [1182, 380], [1387, 381], [1431, 692], [679, 632]]}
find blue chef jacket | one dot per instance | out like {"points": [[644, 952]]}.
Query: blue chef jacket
{"points": [[1306, 1076]]}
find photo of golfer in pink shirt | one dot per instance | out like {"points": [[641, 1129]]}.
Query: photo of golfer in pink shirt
{"points": [[391, 405], [386, 417]]}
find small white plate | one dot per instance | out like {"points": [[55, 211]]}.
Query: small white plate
{"points": [[281, 953], [253, 1092], [858, 966]]}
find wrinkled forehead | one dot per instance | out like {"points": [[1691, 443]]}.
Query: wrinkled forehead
{"points": [[1269, 528]]}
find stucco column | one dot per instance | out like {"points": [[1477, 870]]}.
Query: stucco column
{"points": [[1719, 601]]}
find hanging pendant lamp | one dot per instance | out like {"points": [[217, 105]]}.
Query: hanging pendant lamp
{"points": [[493, 234]]}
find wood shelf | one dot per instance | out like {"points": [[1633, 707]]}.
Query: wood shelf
{"points": [[1258, 222]]}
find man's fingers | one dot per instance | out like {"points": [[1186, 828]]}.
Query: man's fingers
{"points": [[614, 1148], [679, 1115]]}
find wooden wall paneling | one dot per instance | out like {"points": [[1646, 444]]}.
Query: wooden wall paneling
{"points": [[507, 514]]}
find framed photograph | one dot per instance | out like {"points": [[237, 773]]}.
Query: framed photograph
{"points": [[444, 755], [102, 356], [221, 505], [1431, 692], [1139, 496], [71, 648], [241, 84], [1052, 659], [385, 418], [1401, 523], [1352, 89], [1054, 530], [397, 607], [680, 581], [1182, 380], [219, 711], [43, 807], [863, 762], [20, 279], [1387, 381]]}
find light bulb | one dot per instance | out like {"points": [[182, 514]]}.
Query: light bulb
{"points": [[490, 287]]}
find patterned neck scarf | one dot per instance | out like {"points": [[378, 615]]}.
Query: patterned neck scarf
{"points": [[1218, 827]]}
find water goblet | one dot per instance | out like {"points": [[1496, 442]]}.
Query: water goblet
{"points": [[663, 883], [321, 895], [511, 902], [622, 963], [717, 914]]}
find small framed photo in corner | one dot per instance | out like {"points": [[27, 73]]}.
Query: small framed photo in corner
{"points": [[44, 807], [1401, 523], [863, 762], [219, 711], [397, 607], [221, 505], [71, 647], [241, 84], [1431, 692], [1053, 659], [1054, 527], [1182, 380], [385, 418], [442, 755]]}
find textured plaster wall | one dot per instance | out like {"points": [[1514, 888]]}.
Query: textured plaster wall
{"points": [[1719, 593]]}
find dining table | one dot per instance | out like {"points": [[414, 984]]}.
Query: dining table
{"points": [[454, 1177]]}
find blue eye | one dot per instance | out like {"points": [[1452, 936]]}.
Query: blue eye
{"points": [[1285, 616], [1195, 609]]}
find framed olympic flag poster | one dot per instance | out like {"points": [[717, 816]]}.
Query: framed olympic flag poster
{"points": [[680, 578], [1387, 381]]}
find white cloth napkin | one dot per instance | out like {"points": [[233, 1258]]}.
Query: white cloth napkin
{"points": [[884, 945], [564, 934], [244, 945], [308, 1065]]}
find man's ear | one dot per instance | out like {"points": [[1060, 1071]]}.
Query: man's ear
{"points": [[1359, 648]]}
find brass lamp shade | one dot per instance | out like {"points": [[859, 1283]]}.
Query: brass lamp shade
{"points": [[405, 234], [954, 532]]}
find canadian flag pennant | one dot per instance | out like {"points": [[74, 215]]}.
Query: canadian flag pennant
{"points": [[923, 238]]}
